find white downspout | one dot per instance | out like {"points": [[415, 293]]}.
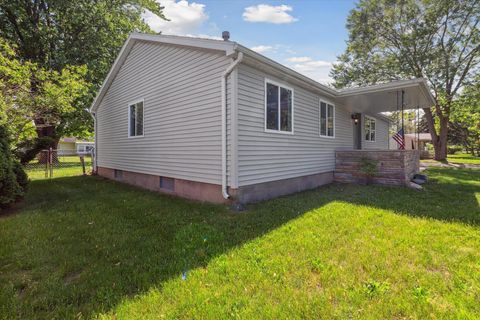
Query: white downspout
{"points": [[224, 123], [94, 160]]}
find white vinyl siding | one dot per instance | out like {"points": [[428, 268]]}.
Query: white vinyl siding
{"points": [[181, 89], [381, 134], [263, 156]]}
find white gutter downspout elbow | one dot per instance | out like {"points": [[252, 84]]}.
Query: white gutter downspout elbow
{"points": [[224, 123]]}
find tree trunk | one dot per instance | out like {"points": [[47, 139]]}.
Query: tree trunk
{"points": [[47, 130], [439, 140]]}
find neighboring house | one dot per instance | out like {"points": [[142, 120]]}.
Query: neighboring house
{"points": [[415, 141], [210, 120], [66, 147], [72, 147]]}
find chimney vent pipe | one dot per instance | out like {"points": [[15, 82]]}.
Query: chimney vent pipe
{"points": [[226, 35]]}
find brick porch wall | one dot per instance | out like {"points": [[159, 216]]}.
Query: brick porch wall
{"points": [[395, 167]]}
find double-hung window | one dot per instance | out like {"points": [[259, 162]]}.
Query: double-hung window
{"points": [[278, 108], [369, 129], [327, 120], [135, 119]]}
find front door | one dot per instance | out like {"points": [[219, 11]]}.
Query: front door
{"points": [[357, 132]]}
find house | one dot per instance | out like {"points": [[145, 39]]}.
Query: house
{"points": [[72, 147], [415, 141], [213, 120]]}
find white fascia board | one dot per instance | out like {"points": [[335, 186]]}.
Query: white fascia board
{"points": [[113, 71], [329, 92], [394, 85]]}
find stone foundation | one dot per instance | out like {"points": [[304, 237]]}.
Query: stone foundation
{"points": [[395, 167], [183, 188], [213, 193], [273, 189]]}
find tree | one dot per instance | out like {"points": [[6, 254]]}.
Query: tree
{"points": [[63, 36], [464, 126], [52, 99], [438, 40]]}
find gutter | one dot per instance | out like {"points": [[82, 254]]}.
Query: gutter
{"points": [[94, 160], [224, 123]]}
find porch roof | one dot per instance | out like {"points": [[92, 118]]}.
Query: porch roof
{"points": [[387, 97]]}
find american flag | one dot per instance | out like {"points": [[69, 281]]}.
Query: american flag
{"points": [[399, 138]]}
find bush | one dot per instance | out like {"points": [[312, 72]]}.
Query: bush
{"points": [[28, 150], [369, 168], [21, 175], [10, 190], [453, 149]]}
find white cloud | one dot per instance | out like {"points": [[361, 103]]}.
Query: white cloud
{"points": [[316, 69], [267, 13], [185, 18], [262, 48]]}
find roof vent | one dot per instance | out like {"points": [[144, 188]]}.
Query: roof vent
{"points": [[226, 35]]}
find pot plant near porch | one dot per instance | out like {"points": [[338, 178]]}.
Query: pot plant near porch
{"points": [[369, 169]]}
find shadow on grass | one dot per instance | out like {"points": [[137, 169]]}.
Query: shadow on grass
{"points": [[83, 244]]}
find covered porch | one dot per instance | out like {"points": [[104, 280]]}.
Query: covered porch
{"points": [[387, 166]]}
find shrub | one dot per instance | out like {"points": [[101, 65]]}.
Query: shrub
{"points": [[28, 150], [21, 175], [453, 149], [10, 190], [369, 168]]}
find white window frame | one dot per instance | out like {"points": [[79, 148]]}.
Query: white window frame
{"points": [[143, 117], [326, 119], [279, 85], [365, 129]]}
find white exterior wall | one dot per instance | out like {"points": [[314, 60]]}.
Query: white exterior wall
{"points": [[181, 88], [265, 156], [381, 135]]}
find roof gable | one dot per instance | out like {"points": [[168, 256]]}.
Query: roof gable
{"points": [[227, 46]]}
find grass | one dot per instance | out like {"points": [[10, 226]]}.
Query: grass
{"points": [[463, 158], [83, 247], [459, 158]]}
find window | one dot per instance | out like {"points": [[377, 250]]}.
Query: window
{"points": [[327, 120], [369, 129], [278, 108], [135, 119]]}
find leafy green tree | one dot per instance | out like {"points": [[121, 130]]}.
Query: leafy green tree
{"points": [[23, 105], [63, 36], [464, 127], [438, 40]]}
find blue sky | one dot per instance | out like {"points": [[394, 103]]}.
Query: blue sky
{"points": [[305, 35]]}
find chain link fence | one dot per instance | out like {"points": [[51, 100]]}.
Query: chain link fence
{"points": [[52, 163]]}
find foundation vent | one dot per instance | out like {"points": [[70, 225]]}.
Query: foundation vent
{"points": [[118, 174], [167, 184]]}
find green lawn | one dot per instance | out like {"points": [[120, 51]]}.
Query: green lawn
{"points": [[463, 158], [83, 247]]}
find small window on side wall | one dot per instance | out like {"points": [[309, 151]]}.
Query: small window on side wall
{"points": [[278, 108], [370, 128], [135, 119], [327, 120]]}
